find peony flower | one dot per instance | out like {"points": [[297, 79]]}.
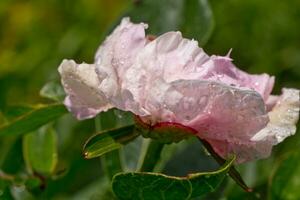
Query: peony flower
{"points": [[171, 79]]}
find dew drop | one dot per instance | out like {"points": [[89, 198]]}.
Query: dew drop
{"points": [[220, 75], [186, 105], [114, 62], [145, 25], [187, 117], [98, 60], [240, 117], [256, 84], [119, 116], [203, 100]]}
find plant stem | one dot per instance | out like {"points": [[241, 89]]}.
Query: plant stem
{"points": [[111, 162], [6, 177], [233, 173], [150, 155]]}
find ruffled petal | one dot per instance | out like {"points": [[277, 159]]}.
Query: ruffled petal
{"points": [[81, 83], [167, 58], [222, 69], [216, 110], [120, 48], [114, 57], [245, 151], [282, 124]]}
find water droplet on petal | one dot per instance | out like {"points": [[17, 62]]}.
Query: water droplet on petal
{"points": [[114, 62], [240, 117], [220, 75], [98, 60], [203, 101]]}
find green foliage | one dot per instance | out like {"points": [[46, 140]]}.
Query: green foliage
{"points": [[53, 90], [33, 119], [4, 188], [151, 155], [284, 183], [192, 17], [156, 186], [109, 140], [40, 150]]}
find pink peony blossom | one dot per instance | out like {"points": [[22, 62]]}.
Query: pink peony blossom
{"points": [[171, 79]]}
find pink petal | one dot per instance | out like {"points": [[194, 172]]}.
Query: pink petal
{"points": [[283, 119], [113, 59], [222, 69], [81, 83]]}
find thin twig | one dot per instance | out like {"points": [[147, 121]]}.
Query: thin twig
{"points": [[5, 176]]}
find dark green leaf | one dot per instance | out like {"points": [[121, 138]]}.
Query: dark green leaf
{"points": [[39, 150], [197, 20], [53, 90], [2, 118], [155, 186], [12, 162], [109, 140], [12, 112], [285, 180], [4, 190], [30, 121], [192, 17]]}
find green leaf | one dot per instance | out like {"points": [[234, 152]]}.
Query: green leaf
{"points": [[109, 140], [192, 17], [197, 21], [155, 186], [284, 183], [53, 90], [2, 118], [12, 112], [4, 190], [12, 162], [40, 150], [33, 119]]}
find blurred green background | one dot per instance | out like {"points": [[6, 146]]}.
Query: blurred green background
{"points": [[36, 35]]}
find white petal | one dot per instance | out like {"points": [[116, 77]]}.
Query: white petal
{"points": [[81, 84], [283, 118]]}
